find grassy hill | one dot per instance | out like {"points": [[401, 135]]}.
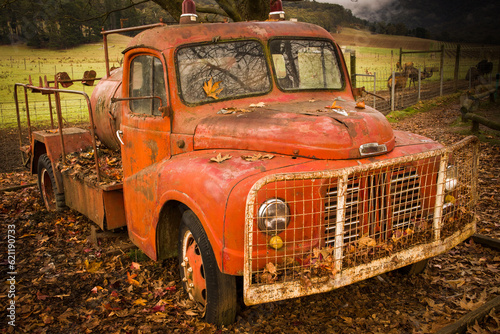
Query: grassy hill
{"points": [[351, 37]]}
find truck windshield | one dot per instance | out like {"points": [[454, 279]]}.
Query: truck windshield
{"points": [[305, 64], [222, 70]]}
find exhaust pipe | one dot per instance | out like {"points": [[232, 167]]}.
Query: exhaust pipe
{"points": [[188, 12], [277, 13]]}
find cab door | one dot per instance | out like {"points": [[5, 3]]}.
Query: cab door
{"points": [[145, 136]]}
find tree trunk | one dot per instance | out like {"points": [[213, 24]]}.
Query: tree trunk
{"points": [[236, 10]]}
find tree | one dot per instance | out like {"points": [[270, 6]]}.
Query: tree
{"points": [[236, 10]]}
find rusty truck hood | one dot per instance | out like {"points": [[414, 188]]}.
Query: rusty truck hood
{"points": [[306, 129]]}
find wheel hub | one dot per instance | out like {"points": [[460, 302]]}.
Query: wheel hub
{"points": [[194, 272]]}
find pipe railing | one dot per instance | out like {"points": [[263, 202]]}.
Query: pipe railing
{"points": [[56, 92]]}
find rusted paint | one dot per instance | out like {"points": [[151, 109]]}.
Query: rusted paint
{"points": [[108, 115], [114, 208], [329, 134]]}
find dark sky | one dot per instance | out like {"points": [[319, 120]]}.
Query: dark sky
{"points": [[463, 20]]}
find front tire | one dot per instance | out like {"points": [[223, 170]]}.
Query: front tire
{"points": [[47, 185], [213, 292]]}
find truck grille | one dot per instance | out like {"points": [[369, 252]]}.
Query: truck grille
{"points": [[403, 196], [350, 224]]}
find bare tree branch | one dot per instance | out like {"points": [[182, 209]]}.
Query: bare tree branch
{"points": [[229, 7], [211, 10]]}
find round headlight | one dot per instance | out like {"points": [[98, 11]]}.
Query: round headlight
{"points": [[451, 181], [274, 216]]}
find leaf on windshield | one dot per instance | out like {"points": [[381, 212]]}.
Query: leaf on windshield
{"points": [[212, 88]]}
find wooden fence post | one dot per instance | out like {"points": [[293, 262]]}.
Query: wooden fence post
{"points": [[401, 57], [353, 68]]}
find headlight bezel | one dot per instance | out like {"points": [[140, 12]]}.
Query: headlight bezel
{"points": [[273, 216]]}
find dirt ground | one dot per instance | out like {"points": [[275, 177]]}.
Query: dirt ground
{"points": [[66, 284]]}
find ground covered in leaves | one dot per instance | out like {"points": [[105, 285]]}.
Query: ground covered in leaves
{"points": [[70, 279]]}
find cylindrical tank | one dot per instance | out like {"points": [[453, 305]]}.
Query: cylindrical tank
{"points": [[107, 115]]}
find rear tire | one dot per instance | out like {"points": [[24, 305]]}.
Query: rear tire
{"points": [[47, 185], [213, 292]]}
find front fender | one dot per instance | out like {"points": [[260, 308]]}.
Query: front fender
{"points": [[204, 187]]}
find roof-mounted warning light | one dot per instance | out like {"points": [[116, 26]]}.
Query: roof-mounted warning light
{"points": [[277, 12], [188, 12]]}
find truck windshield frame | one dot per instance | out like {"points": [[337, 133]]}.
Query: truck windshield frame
{"points": [[222, 71], [306, 64]]}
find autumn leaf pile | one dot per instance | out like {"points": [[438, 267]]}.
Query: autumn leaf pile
{"points": [[82, 166], [67, 284]]}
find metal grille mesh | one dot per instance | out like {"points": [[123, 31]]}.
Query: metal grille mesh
{"points": [[357, 216]]}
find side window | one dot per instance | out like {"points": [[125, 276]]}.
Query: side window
{"points": [[147, 83]]}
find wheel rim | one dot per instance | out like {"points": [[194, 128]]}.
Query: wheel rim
{"points": [[48, 191], [194, 272]]}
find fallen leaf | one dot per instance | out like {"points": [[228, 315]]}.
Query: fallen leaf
{"points": [[131, 280], [140, 301], [135, 266], [257, 156], [271, 268], [92, 267], [219, 158], [367, 242], [333, 106], [361, 105], [212, 89], [258, 105]]}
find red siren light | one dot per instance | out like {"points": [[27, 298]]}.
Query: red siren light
{"points": [[277, 12], [188, 12]]}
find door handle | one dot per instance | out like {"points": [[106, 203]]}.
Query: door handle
{"points": [[119, 134]]}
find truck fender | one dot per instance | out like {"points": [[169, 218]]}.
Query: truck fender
{"points": [[169, 216]]}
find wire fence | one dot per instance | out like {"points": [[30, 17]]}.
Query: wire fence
{"points": [[442, 71], [446, 72]]}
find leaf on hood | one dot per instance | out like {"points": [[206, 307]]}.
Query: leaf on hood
{"points": [[257, 156], [360, 105], [219, 158], [333, 106], [258, 105], [212, 88]]}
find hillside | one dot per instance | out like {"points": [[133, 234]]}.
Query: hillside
{"points": [[447, 20], [362, 38]]}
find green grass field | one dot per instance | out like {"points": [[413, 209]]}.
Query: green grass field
{"points": [[374, 54], [19, 62]]}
